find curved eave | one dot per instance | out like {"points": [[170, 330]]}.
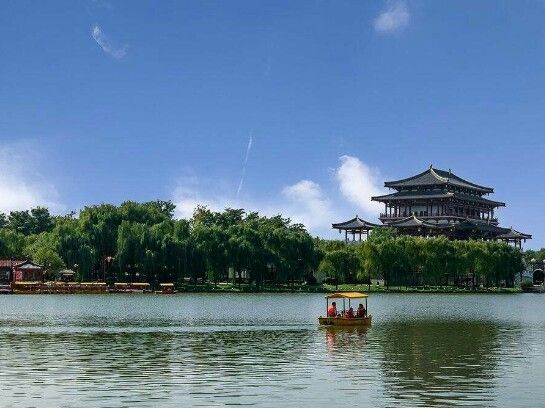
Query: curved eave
{"points": [[437, 179], [438, 196], [395, 197], [514, 234], [412, 222], [354, 223]]}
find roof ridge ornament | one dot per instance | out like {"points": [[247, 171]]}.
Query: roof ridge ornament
{"points": [[437, 176]]}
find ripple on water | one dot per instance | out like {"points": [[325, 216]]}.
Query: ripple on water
{"points": [[266, 350]]}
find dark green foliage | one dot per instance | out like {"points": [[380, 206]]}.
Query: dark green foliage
{"points": [[144, 242]]}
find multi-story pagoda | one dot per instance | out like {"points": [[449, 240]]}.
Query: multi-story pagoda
{"points": [[438, 197], [438, 202]]}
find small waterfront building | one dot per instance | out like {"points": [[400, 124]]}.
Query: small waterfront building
{"points": [[66, 275], [6, 270], [28, 271], [19, 269], [438, 202]]}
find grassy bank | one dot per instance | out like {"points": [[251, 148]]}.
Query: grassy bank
{"points": [[325, 288]]}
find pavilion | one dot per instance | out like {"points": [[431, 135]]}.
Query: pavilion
{"points": [[437, 202], [355, 226]]}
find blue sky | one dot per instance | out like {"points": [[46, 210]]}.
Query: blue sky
{"points": [[313, 103]]}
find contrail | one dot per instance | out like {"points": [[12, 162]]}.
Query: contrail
{"points": [[248, 149]]}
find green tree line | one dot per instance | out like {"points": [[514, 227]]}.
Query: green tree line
{"points": [[145, 242], [413, 261]]}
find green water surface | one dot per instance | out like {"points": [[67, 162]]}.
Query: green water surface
{"points": [[267, 350]]}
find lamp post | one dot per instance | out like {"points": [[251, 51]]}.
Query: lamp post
{"points": [[106, 265]]}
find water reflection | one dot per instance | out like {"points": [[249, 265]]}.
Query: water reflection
{"points": [[439, 363], [138, 367], [344, 338], [158, 352]]}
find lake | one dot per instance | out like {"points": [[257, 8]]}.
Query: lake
{"points": [[266, 349]]}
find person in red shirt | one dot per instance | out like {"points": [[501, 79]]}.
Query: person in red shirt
{"points": [[332, 310], [361, 312], [350, 313]]}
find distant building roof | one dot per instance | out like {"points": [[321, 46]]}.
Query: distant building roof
{"points": [[415, 195], [27, 265], [514, 234], [354, 223], [432, 177], [8, 263], [481, 226], [412, 222]]}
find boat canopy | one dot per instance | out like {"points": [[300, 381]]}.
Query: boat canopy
{"points": [[346, 295]]}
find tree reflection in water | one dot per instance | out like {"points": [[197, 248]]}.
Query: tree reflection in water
{"points": [[440, 363]]}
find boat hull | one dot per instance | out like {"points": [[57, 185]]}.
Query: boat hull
{"points": [[343, 321]]}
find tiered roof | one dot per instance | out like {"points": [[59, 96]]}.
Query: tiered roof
{"points": [[412, 222], [434, 177], [415, 195]]}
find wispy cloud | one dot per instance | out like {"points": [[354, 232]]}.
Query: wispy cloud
{"points": [[104, 42], [304, 201], [394, 19], [22, 187], [248, 149], [358, 183]]}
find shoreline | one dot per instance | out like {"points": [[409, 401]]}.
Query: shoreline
{"points": [[102, 288], [342, 288]]}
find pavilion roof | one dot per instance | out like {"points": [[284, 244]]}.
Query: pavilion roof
{"points": [[514, 234], [27, 265], [432, 177], [8, 263], [354, 223], [416, 195]]}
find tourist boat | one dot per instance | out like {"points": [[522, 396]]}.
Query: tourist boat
{"points": [[166, 289], [341, 320], [134, 287]]}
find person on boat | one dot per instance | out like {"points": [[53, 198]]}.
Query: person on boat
{"points": [[332, 310], [350, 313], [361, 312]]}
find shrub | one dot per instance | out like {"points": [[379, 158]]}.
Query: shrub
{"points": [[526, 284]]}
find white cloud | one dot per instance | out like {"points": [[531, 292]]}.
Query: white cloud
{"points": [[395, 18], [22, 188], [307, 204], [304, 202], [104, 43], [358, 183]]}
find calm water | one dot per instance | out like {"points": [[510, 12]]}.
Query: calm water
{"points": [[267, 350]]}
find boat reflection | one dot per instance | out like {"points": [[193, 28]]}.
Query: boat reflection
{"points": [[339, 337]]}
